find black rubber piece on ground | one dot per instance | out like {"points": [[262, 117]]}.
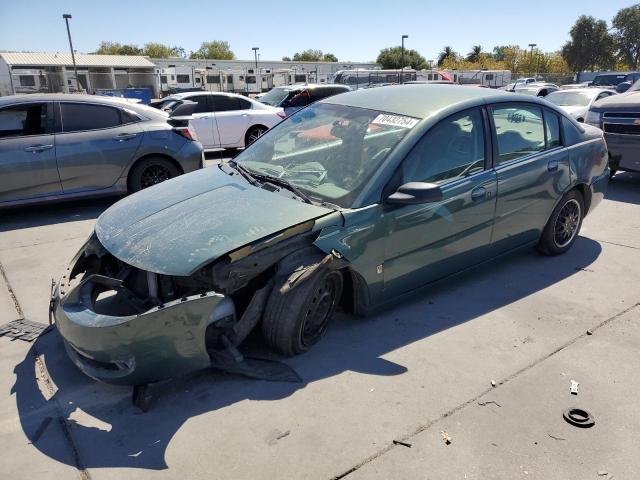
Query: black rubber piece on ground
{"points": [[578, 417]]}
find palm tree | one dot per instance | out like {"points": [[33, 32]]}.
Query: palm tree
{"points": [[474, 55], [446, 53]]}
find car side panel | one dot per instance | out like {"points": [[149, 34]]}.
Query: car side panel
{"points": [[232, 126]]}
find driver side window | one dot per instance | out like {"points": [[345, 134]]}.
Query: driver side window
{"points": [[452, 149]]}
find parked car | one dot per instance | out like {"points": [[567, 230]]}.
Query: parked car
{"points": [[521, 82], [538, 89], [294, 97], [576, 102], [406, 195], [612, 80], [629, 80], [57, 146], [225, 120], [619, 117]]}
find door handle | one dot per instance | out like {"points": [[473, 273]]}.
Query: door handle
{"points": [[478, 193], [552, 166], [124, 137], [37, 148]]}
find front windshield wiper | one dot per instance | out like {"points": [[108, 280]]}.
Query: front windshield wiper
{"points": [[283, 183], [250, 177]]}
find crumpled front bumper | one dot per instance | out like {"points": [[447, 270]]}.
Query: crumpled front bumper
{"points": [[163, 342]]}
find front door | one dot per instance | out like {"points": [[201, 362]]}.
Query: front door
{"points": [[27, 152], [95, 145], [532, 168], [203, 121], [429, 241]]}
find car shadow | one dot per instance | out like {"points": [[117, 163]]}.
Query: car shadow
{"points": [[625, 187], [108, 431], [18, 218]]}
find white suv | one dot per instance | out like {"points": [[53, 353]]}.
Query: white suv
{"points": [[225, 120]]}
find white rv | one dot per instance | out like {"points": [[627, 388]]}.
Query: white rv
{"points": [[362, 77]]}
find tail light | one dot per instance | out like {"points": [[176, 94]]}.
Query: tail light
{"points": [[187, 132]]}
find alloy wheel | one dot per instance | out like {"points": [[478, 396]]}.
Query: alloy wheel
{"points": [[567, 223], [154, 174]]}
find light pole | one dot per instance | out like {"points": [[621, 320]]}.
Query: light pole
{"points": [[402, 59], [532, 45], [255, 54], [66, 17]]}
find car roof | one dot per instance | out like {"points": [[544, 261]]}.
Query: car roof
{"points": [[201, 92], [144, 110], [422, 100], [594, 90], [313, 86]]}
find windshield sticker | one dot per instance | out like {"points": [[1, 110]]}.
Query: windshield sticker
{"points": [[395, 120]]}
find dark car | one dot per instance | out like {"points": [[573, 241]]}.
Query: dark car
{"points": [[57, 146], [613, 80], [294, 97], [407, 185], [619, 117]]}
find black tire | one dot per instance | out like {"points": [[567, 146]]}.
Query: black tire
{"points": [[253, 134], [563, 226], [295, 321], [151, 171]]}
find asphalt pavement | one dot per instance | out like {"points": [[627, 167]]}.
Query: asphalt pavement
{"points": [[407, 393]]}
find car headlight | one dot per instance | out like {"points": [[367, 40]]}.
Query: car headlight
{"points": [[593, 118]]}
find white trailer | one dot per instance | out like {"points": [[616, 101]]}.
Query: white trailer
{"points": [[488, 78]]}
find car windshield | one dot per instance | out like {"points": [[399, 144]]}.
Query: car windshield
{"points": [[328, 151], [570, 99], [635, 87], [275, 96]]}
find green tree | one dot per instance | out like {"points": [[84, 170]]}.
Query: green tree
{"points": [[627, 35], [309, 55], [447, 53], [392, 58], [286, 59], [158, 50], [329, 57], [216, 49], [591, 45], [115, 48], [475, 54]]}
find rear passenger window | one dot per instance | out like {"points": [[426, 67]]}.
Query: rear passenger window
{"points": [[243, 104], [552, 126], [23, 120], [77, 117], [223, 103], [519, 131]]}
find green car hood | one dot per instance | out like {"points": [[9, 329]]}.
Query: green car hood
{"points": [[178, 226]]}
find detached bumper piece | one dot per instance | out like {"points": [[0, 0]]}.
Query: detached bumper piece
{"points": [[23, 330]]}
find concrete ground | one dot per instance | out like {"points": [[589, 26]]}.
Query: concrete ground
{"points": [[407, 374]]}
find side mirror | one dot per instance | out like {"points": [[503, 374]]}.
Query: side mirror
{"points": [[414, 193], [185, 109]]}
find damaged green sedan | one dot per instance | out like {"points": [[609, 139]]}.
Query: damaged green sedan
{"points": [[354, 202]]}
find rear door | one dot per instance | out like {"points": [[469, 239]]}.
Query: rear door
{"points": [[204, 121], [298, 101], [532, 166], [27, 152], [96, 142], [233, 119]]}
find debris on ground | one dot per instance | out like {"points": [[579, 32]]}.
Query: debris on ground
{"points": [[578, 417], [483, 404], [23, 330], [602, 473], [589, 332], [555, 438], [493, 383], [574, 387], [404, 444], [445, 437]]}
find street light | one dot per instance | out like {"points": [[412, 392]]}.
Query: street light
{"points": [[532, 45], [255, 54], [402, 59], [66, 17]]}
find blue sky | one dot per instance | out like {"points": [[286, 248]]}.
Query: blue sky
{"points": [[352, 30]]}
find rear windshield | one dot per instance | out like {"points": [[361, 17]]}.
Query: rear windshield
{"points": [[608, 80], [275, 96]]}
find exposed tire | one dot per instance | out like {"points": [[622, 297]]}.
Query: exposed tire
{"points": [[151, 171], [563, 226], [293, 322], [253, 134]]}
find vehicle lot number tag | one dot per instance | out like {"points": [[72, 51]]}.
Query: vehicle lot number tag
{"points": [[395, 120]]}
